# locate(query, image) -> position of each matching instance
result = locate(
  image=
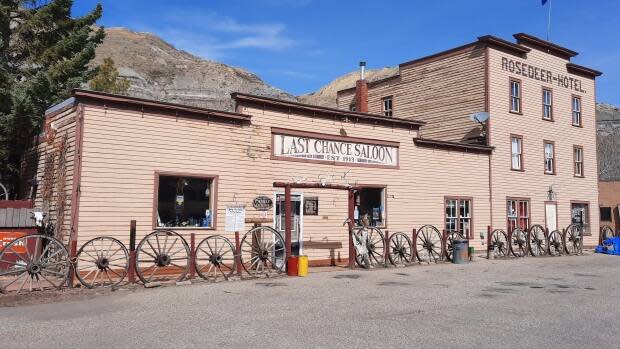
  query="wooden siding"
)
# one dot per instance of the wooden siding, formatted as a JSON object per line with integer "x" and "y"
{"x": 609, "y": 196}
{"x": 122, "y": 150}
{"x": 532, "y": 182}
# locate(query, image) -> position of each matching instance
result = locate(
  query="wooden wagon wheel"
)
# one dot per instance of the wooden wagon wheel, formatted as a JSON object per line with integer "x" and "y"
{"x": 375, "y": 243}
{"x": 33, "y": 262}
{"x": 263, "y": 251}
{"x": 607, "y": 233}
{"x": 554, "y": 241}
{"x": 450, "y": 243}
{"x": 162, "y": 255}
{"x": 215, "y": 258}
{"x": 428, "y": 244}
{"x": 573, "y": 239}
{"x": 518, "y": 243}
{"x": 499, "y": 243}
{"x": 399, "y": 249}
{"x": 102, "y": 262}
{"x": 537, "y": 241}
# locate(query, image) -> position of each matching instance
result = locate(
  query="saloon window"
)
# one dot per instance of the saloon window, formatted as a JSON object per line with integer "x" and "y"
{"x": 547, "y": 98}
{"x": 184, "y": 202}
{"x": 370, "y": 203}
{"x": 515, "y": 96}
{"x": 580, "y": 214}
{"x": 387, "y": 105}
{"x": 458, "y": 216}
{"x": 576, "y": 111}
{"x": 518, "y": 211}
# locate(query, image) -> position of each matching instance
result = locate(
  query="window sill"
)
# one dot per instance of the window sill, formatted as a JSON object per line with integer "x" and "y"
{"x": 579, "y": 176}
{"x": 580, "y": 126}
{"x": 515, "y": 112}
{"x": 550, "y": 173}
{"x": 549, "y": 120}
{"x": 517, "y": 169}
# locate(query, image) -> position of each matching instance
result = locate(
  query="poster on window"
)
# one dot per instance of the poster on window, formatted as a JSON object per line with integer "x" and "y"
{"x": 235, "y": 218}
{"x": 311, "y": 206}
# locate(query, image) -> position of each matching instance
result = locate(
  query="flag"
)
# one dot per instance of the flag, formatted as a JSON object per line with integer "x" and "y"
{"x": 543, "y": 2}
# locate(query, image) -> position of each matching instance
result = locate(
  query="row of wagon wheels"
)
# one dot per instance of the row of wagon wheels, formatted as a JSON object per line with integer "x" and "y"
{"x": 537, "y": 241}
{"x": 38, "y": 262}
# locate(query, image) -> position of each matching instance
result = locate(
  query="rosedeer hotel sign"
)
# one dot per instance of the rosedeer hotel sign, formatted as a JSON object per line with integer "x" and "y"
{"x": 302, "y": 146}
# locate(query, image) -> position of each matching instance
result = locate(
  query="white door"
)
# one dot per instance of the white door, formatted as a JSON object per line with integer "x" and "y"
{"x": 551, "y": 212}
{"x": 297, "y": 215}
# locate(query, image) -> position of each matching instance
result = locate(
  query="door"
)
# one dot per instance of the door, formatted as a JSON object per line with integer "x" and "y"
{"x": 551, "y": 215}
{"x": 296, "y": 221}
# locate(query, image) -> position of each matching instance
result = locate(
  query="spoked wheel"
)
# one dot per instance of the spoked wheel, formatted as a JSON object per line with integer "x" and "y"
{"x": 573, "y": 239}
{"x": 102, "y": 262}
{"x": 450, "y": 243}
{"x": 262, "y": 252}
{"x": 375, "y": 243}
{"x": 33, "y": 262}
{"x": 499, "y": 243}
{"x": 215, "y": 258}
{"x": 518, "y": 243}
{"x": 162, "y": 255}
{"x": 607, "y": 233}
{"x": 556, "y": 247}
{"x": 399, "y": 249}
{"x": 537, "y": 241}
{"x": 428, "y": 244}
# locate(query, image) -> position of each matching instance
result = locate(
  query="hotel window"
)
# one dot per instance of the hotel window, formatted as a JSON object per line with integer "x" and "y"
{"x": 549, "y": 158}
{"x": 605, "y": 213}
{"x": 580, "y": 214}
{"x": 387, "y": 105}
{"x": 578, "y": 159}
{"x": 352, "y": 107}
{"x": 184, "y": 202}
{"x": 518, "y": 213}
{"x": 370, "y": 202}
{"x": 547, "y": 98}
{"x": 515, "y": 96}
{"x": 576, "y": 111}
{"x": 516, "y": 145}
{"x": 458, "y": 215}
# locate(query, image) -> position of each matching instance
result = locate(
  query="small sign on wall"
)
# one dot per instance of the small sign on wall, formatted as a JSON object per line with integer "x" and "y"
{"x": 311, "y": 206}
{"x": 235, "y": 218}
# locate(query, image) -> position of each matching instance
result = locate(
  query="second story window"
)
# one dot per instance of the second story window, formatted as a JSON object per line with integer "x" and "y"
{"x": 515, "y": 96}
{"x": 387, "y": 105}
{"x": 576, "y": 111}
{"x": 547, "y": 98}
{"x": 578, "y": 160}
{"x": 549, "y": 157}
{"x": 352, "y": 107}
{"x": 516, "y": 145}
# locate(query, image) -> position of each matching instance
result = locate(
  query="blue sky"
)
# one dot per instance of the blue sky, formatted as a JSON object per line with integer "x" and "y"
{"x": 300, "y": 45}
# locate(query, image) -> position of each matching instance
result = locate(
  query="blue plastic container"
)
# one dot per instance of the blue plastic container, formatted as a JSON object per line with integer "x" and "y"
{"x": 609, "y": 246}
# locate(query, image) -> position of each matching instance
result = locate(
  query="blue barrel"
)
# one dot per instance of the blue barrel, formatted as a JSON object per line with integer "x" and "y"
{"x": 460, "y": 251}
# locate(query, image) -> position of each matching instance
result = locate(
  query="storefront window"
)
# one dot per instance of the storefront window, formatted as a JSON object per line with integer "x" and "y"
{"x": 458, "y": 216}
{"x": 370, "y": 202}
{"x": 184, "y": 202}
{"x": 518, "y": 214}
{"x": 580, "y": 214}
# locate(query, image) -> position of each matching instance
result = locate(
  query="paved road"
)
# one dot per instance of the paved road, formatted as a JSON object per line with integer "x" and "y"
{"x": 544, "y": 302}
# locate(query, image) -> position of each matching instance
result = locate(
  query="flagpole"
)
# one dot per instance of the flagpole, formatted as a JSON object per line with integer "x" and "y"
{"x": 549, "y": 21}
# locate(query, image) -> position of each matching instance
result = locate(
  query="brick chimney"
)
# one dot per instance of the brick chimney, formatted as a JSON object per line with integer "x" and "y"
{"x": 361, "y": 91}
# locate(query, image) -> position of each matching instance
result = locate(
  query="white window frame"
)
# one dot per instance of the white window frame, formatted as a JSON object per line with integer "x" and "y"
{"x": 516, "y": 151}
{"x": 547, "y": 104}
{"x": 387, "y": 106}
{"x": 578, "y": 161}
{"x": 549, "y": 158}
{"x": 515, "y": 96}
{"x": 576, "y": 109}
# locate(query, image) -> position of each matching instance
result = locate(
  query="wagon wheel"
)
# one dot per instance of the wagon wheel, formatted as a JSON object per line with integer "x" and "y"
{"x": 399, "y": 249}
{"x": 375, "y": 243}
{"x": 450, "y": 243}
{"x": 102, "y": 262}
{"x": 499, "y": 243}
{"x": 262, "y": 251}
{"x": 428, "y": 244}
{"x": 554, "y": 241}
{"x": 607, "y": 233}
{"x": 215, "y": 258}
{"x": 33, "y": 262}
{"x": 162, "y": 255}
{"x": 537, "y": 241}
{"x": 518, "y": 243}
{"x": 573, "y": 239}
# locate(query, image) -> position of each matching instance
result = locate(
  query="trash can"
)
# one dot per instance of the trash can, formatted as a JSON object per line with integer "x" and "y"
{"x": 292, "y": 265}
{"x": 460, "y": 250}
{"x": 302, "y": 268}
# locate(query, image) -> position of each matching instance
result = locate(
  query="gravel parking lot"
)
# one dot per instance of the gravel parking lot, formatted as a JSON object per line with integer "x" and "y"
{"x": 531, "y": 302}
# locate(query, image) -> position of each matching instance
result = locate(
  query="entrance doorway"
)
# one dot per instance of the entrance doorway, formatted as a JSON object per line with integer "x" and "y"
{"x": 551, "y": 215}
{"x": 297, "y": 224}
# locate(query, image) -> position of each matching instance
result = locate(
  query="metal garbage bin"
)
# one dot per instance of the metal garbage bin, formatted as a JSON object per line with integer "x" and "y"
{"x": 460, "y": 251}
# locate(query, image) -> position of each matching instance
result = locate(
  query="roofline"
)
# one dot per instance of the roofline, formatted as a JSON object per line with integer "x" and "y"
{"x": 371, "y": 83}
{"x": 438, "y": 54}
{"x": 505, "y": 44}
{"x": 453, "y": 145}
{"x": 81, "y": 94}
{"x": 373, "y": 118}
{"x": 547, "y": 45}
{"x": 581, "y": 70}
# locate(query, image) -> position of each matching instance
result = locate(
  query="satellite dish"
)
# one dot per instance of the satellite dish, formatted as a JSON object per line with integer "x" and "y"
{"x": 479, "y": 117}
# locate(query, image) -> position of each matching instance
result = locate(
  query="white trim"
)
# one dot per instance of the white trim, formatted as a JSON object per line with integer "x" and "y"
{"x": 301, "y": 215}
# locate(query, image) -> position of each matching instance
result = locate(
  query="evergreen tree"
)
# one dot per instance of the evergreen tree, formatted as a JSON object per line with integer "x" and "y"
{"x": 44, "y": 54}
{"x": 107, "y": 79}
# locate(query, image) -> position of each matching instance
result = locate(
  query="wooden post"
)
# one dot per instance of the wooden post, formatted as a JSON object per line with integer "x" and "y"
{"x": 192, "y": 255}
{"x": 414, "y": 254}
{"x": 489, "y": 232}
{"x": 352, "y": 219}
{"x": 386, "y": 248}
{"x": 131, "y": 273}
{"x": 238, "y": 253}
{"x": 72, "y": 257}
{"x": 287, "y": 224}
{"x": 444, "y": 244}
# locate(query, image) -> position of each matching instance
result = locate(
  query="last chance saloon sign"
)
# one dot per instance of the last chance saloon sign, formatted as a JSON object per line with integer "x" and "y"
{"x": 317, "y": 149}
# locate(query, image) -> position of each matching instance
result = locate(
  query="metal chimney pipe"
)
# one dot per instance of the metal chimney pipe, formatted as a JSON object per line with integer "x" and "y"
{"x": 362, "y": 68}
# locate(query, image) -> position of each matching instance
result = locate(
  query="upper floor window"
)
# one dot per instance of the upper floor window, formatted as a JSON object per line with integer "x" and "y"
{"x": 515, "y": 96}
{"x": 578, "y": 160}
{"x": 458, "y": 216}
{"x": 549, "y": 157}
{"x": 576, "y": 111}
{"x": 352, "y": 107}
{"x": 387, "y": 105}
{"x": 547, "y": 98}
{"x": 516, "y": 145}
